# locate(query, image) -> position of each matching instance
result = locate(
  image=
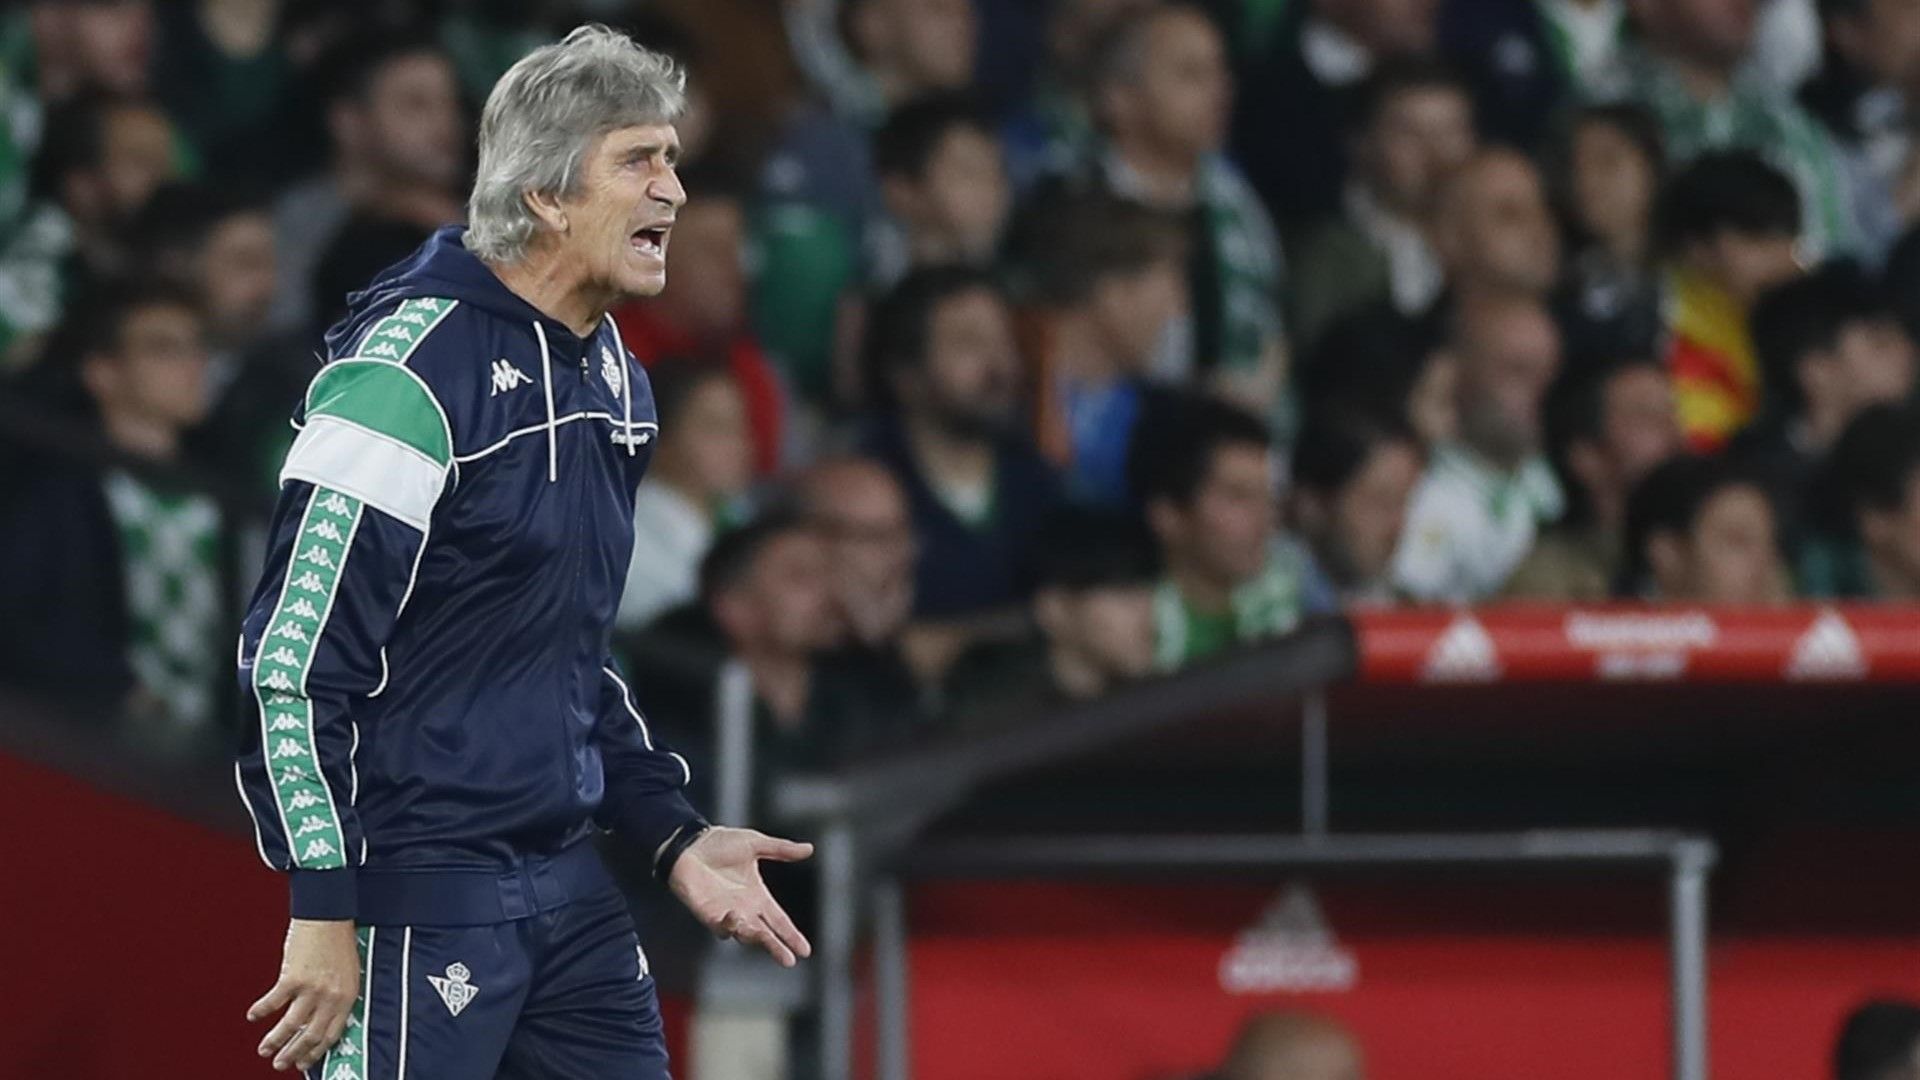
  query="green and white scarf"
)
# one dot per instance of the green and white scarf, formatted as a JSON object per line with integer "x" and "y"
{"x": 170, "y": 560}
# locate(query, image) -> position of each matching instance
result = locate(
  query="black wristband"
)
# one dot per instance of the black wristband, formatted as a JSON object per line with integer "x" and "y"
{"x": 677, "y": 845}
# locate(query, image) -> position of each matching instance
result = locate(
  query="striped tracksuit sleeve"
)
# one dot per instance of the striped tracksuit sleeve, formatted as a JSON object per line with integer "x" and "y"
{"x": 357, "y": 492}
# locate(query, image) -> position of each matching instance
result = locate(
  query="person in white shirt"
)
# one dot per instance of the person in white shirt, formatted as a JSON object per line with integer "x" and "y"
{"x": 700, "y": 472}
{"x": 1485, "y": 494}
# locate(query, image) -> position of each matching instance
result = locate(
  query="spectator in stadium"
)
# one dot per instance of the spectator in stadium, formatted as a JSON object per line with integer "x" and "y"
{"x": 1493, "y": 230}
{"x": 766, "y": 599}
{"x": 1209, "y": 484}
{"x": 1293, "y": 1046}
{"x": 1093, "y": 605}
{"x": 703, "y": 311}
{"x": 1871, "y": 546}
{"x": 398, "y": 157}
{"x": 101, "y": 160}
{"x": 1727, "y": 228}
{"x": 1686, "y": 65}
{"x": 946, "y": 200}
{"x": 1700, "y": 530}
{"x": 1605, "y": 175}
{"x": 1302, "y": 62}
{"x": 1353, "y": 476}
{"x": 1054, "y": 126}
{"x": 1829, "y": 347}
{"x": 862, "y": 512}
{"x": 1879, "y": 1040}
{"x": 1302, "y": 65}
{"x": 114, "y": 581}
{"x": 941, "y": 351}
{"x": 702, "y": 464}
{"x": 1608, "y": 425}
{"x": 1484, "y": 496}
{"x": 1163, "y": 91}
{"x": 1110, "y": 283}
{"x": 59, "y": 50}
{"x": 818, "y": 194}
{"x": 1860, "y": 95}
{"x": 104, "y": 46}
{"x": 1412, "y": 127}
{"x": 943, "y": 181}
{"x": 218, "y": 245}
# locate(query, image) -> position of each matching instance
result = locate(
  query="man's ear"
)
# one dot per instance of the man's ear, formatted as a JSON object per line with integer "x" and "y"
{"x": 1667, "y": 557}
{"x": 1587, "y": 464}
{"x": 346, "y": 125}
{"x": 732, "y": 615}
{"x": 547, "y": 208}
{"x": 99, "y": 375}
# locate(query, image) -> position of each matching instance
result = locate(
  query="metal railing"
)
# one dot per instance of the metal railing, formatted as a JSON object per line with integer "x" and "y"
{"x": 866, "y": 819}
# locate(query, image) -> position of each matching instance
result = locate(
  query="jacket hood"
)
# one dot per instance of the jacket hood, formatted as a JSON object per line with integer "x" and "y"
{"x": 441, "y": 267}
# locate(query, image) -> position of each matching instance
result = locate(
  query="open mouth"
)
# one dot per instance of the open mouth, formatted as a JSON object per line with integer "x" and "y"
{"x": 650, "y": 241}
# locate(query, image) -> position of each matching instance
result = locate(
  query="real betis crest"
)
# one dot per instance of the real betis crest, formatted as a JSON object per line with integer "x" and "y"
{"x": 610, "y": 369}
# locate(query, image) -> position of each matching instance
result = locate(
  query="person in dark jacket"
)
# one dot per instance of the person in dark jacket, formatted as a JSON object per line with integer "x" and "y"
{"x": 941, "y": 349}
{"x": 116, "y": 572}
{"x": 439, "y": 726}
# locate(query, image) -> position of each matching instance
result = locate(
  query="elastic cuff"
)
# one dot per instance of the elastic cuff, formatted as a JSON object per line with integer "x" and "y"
{"x": 677, "y": 845}
{"x": 323, "y": 894}
{"x": 649, "y": 821}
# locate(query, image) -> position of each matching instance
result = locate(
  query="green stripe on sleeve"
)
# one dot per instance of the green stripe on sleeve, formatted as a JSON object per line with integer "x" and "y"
{"x": 384, "y": 398}
{"x": 308, "y": 812}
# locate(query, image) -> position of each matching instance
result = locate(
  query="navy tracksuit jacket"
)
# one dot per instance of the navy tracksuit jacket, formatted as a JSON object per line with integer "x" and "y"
{"x": 438, "y": 726}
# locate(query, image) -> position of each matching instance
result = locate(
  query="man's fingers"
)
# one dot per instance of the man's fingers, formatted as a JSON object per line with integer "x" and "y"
{"x": 310, "y": 1043}
{"x": 298, "y": 1013}
{"x": 783, "y": 927}
{"x": 772, "y": 847}
{"x": 763, "y": 935}
{"x": 271, "y": 1002}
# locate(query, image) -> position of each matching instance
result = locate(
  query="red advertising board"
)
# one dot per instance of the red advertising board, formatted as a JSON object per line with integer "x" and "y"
{"x": 1029, "y": 982}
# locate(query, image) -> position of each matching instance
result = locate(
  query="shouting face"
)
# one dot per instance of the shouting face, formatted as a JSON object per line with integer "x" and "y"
{"x": 615, "y": 225}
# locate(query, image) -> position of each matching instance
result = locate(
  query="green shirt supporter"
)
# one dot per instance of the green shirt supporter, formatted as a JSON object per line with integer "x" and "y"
{"x": 1267, "y": 606}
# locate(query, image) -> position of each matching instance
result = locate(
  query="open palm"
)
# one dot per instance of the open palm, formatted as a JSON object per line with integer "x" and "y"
{"x": 718, "y": 879}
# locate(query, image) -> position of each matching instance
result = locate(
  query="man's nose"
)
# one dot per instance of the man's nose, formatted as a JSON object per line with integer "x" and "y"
{"x": 667, "y": 189}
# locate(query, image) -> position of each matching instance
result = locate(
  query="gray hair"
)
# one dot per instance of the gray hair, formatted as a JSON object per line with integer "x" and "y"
{"x": 544, "y": 115}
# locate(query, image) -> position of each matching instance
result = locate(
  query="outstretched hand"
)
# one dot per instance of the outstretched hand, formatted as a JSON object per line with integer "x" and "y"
{"x": 718, "y": 878}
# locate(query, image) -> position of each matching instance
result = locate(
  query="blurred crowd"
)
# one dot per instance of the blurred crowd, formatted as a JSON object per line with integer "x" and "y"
{"x": 1010, "y": 350}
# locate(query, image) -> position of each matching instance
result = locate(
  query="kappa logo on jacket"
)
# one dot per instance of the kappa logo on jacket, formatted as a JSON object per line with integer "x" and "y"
{"x": 507, "y": 377}
{"x": 454, "y": 989}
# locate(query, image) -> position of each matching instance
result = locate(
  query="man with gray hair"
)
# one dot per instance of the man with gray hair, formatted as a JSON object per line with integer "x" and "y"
{"x": 439, "y": 728}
